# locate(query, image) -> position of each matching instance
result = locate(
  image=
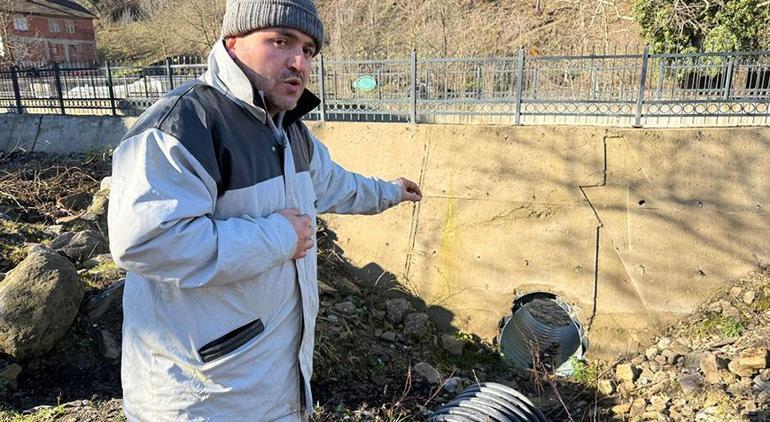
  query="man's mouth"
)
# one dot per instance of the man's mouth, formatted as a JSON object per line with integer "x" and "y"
{"x": 295, "y": 82}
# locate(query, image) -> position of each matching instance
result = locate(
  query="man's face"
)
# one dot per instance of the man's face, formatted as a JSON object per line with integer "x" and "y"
{"x": 277, "y": 61}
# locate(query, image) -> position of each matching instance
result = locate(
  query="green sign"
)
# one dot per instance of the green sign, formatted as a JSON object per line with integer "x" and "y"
{"x": 365, "y": 83}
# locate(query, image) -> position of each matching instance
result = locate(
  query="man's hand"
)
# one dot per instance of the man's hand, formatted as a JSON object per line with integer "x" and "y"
{"x": 303, "y": 226}
{"x": 409, "y": 190}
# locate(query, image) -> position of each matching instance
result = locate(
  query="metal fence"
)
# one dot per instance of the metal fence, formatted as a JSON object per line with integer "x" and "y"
{"x": 700, "y": 89}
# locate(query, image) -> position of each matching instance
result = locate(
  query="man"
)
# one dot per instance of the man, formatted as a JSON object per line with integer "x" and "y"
{"x": 215, "y": 192}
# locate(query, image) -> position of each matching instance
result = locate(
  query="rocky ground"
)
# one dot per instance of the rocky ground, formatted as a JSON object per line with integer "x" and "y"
{"x": 711, "y": 367}
{"x": 378, "y": 356}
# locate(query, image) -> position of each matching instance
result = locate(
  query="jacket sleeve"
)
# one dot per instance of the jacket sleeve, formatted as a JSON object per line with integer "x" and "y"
{"x": 161, "y": 226}
{"x": 344, "y": 192}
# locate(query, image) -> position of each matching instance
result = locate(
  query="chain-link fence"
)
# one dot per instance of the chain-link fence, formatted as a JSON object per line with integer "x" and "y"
{"x": 708, "y": 89}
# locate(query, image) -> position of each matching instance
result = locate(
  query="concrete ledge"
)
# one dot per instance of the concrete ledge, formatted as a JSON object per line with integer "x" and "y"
{"x": 61, "y": 134}
{"x": 18, "y": 133}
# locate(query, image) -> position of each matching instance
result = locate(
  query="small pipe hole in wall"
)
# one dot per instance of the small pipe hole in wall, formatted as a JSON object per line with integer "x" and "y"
{"x": 542, "y": 330}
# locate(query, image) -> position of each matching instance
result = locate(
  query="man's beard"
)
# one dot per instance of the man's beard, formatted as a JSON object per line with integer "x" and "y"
{"x": 275, "y": 103}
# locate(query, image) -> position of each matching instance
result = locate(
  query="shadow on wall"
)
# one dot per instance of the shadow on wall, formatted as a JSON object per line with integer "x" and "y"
{"x": 372, "y": 362}
{"x": 383, "y": 282}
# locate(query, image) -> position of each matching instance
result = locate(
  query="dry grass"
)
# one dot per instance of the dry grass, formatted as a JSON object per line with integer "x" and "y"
{"x": 31, "y": 184}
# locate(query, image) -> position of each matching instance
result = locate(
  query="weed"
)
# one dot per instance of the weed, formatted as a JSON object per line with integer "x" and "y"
{"x": 762, "y": 304}
{"x": 102, "y": 275}
{"x": 477, "y": 352}
{"x": 732, "y": 328}
{"x": 466, "y": 338}
{"x": 585, "y": 373}
{"x": 714, "y": 323}
{"x": 48, "y": 414}
{"x": 16, "y": 254}
{"x": 13, "y": 236}
{"x": 323, "y": 413}
{"x": 103, "y": 155}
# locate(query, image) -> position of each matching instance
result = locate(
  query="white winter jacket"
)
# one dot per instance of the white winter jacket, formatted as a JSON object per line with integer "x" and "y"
{"x": 218, "y": 320}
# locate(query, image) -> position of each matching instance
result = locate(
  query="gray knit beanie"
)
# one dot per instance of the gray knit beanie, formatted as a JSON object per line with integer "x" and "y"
{"x": 244, "y": 16}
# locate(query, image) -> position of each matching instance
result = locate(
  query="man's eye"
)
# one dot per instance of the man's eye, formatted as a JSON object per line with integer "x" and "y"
{"x": 310, "y": 52}
{"x": 281, "y": 42}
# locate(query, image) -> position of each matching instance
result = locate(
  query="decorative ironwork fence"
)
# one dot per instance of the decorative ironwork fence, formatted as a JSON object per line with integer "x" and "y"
{"x": 707, "y": 89}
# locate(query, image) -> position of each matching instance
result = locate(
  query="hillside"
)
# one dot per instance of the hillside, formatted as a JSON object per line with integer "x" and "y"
{"x": 128, "y": 29}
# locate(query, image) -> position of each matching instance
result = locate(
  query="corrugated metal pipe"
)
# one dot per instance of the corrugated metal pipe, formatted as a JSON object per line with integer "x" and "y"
{"x": 489, "y": 402}
{"x": 543, "y": 331}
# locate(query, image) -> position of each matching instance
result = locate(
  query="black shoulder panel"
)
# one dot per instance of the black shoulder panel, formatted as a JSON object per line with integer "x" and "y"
{"x": 301, "y": 146}
{"x": 234, "y": 147}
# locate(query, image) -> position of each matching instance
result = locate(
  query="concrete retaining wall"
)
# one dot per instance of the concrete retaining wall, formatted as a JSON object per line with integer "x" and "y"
{"x": 635, "y": 228}
{"x": 60, "y": 134}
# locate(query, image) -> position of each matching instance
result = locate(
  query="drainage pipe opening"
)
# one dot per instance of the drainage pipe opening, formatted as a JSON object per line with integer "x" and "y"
{"x": 542, "y": 330}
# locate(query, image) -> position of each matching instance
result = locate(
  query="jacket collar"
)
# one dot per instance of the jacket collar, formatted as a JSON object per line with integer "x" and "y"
{"x": 225, "y": 75}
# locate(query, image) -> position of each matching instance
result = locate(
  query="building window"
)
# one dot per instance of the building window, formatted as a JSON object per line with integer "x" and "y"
{"x": 53, "y": 26}
{"x": 20, "y": 23}
{"x": 70, "y": 27}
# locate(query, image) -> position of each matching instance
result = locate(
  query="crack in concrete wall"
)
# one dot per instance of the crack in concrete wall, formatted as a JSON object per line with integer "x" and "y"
{"x": 416, "y": 213}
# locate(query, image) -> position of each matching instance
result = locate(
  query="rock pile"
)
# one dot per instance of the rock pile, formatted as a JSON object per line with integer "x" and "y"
{"x": 41, "y": 297}
{"x": 713, "y": 367}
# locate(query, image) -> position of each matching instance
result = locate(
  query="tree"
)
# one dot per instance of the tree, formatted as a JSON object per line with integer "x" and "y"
{"x": 157, "y": 29}
{"x": 712, "y": 26}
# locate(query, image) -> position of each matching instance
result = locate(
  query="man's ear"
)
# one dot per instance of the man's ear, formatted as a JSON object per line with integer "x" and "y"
{"x": 230, "y": 46}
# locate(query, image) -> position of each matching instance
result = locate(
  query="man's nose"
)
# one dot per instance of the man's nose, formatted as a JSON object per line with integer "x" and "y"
{"x": 299, "y": 62}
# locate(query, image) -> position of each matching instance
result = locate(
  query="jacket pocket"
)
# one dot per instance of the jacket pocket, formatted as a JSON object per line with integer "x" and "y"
{"x": 230, "y": 341}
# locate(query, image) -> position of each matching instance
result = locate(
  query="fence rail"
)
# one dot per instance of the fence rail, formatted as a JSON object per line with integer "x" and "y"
{"x": 707, "y": 89}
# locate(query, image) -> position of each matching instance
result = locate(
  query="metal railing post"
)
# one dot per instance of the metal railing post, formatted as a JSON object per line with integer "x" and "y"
{"x": 519, "y": 86}
{"x": 321, "y": 87}
{"x": 111, "y": 90}
{"x": 16, "y": 90}
{"x": 594, "y": 79}
{"x": 57, "y": 82}
{"x": 661, "y": 78}
{"x": 413, "y": 105}
{"x": 169, "y": 74}
{"x": 479, "y": 82}
{"x": 642, "y": 83}
{"x": 729, "y": 77}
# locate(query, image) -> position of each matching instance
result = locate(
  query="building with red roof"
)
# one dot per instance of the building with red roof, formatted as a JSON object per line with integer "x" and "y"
{"x": 60, "y": 31}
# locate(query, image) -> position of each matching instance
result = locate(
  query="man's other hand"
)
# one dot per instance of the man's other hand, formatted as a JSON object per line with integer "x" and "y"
{"x": 409, "y": 190}
{"x": 303, "y": 226}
